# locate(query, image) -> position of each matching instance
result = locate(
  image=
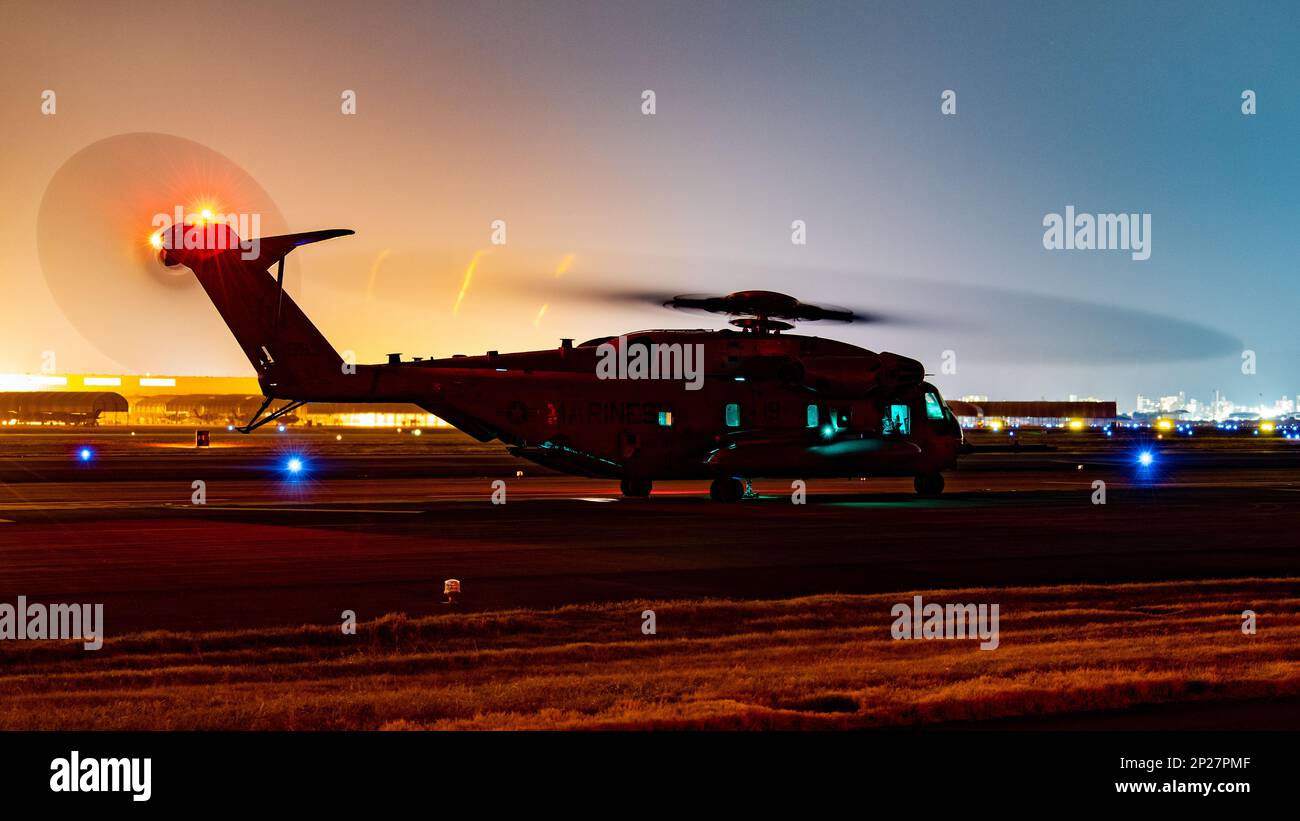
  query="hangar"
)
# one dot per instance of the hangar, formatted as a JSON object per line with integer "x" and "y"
{"x": 59, "y": 407}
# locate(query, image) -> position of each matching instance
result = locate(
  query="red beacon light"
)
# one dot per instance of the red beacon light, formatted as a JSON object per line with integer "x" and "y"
{"x": 193, "y": 241}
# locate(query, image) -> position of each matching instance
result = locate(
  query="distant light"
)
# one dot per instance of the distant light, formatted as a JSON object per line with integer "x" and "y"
{"x": 416, "y": 432}
{"x": 827, "y": 431}
{"x": 230, "y": 427}
{"x": 1145, "y": 458}
{"x": 295, "y": 465}
{"x": 85, "y": 454}
{"x": 338, "y": 437}
{"x": 280, "y": 428}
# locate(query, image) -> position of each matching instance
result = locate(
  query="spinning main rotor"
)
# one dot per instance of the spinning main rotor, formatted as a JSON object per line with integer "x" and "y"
{"x": 763, "y": 312}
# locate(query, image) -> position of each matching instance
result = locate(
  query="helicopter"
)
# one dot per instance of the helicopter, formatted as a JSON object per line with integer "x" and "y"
{"x": 730, "y": 405}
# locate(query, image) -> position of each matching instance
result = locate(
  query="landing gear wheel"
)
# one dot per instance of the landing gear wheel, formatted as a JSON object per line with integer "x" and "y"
{"x": 727, "y": 490}
{"x": 635, "y": 488}
{"x": 929, "y": 484}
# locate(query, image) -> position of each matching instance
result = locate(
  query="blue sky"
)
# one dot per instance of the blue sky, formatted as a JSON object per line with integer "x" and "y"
{"x": 766, "y": 113}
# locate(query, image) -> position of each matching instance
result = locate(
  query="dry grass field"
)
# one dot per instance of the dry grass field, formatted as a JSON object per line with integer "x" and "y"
{"x": 822, "y": 662}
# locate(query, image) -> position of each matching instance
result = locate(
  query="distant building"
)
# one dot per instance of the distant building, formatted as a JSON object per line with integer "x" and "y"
{"x": 1033, "y": 414}
{"x": 61, "y": 407}
{"x": 177, "y": 400}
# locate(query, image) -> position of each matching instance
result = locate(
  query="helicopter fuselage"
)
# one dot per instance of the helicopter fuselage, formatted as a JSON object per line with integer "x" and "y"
{"x": 770, "y": 405}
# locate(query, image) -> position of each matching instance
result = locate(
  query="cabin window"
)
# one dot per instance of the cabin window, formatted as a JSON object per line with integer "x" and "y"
{"x": 812, "y": 416}
{"x": 933, "y": 410}
{"x": 666, "y": 419}
{"x": 733, "y": 415}
{"x": 899, "y": 421}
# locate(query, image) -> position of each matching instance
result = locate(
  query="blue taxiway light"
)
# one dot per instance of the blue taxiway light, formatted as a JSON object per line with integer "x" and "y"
{"x": 85, "y": 454}
{"x": 294, "y": 465}
{"x": 1145, "y": 458}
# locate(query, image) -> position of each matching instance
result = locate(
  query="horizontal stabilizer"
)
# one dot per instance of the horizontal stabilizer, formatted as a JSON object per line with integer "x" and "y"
{"x": 273, "y": 249}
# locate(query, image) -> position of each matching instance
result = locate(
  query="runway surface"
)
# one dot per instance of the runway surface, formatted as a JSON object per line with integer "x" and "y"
{"x": 376, "y": 521}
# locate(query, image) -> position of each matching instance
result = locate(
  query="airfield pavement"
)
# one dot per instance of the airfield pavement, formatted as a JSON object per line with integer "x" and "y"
{"x": 376, "y": 521}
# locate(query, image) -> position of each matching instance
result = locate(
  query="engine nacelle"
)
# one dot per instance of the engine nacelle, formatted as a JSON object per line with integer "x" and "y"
{"x": 834, "y": 375}
{"x": 853, "y": 376}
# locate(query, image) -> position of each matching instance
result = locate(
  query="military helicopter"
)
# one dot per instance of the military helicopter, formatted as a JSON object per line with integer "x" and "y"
{"x": 727, "y": 405}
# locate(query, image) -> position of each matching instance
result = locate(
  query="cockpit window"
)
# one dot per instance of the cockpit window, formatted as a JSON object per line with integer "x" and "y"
{"x": 933, "y": 408}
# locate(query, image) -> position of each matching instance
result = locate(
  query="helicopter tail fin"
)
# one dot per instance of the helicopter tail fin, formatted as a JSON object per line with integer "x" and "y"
{"x": 244, "y": 280}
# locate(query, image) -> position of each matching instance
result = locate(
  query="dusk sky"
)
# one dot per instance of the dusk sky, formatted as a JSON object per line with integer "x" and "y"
{"x": 765, "y": 113}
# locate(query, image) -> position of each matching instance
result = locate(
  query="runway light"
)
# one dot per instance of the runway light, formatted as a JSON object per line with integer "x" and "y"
{"x": 1145, "y": 458}
{"x": 85, "y": 454}
{"x": 294, "y": 465}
